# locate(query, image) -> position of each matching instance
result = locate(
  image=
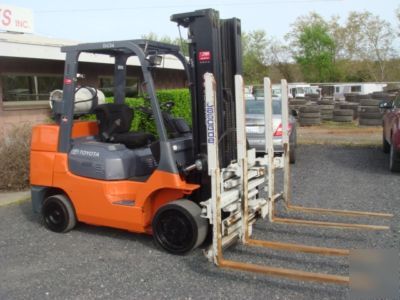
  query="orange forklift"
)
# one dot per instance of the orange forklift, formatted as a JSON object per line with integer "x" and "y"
{"x": 181, "y": 184}
{"x": 101, "y": 173}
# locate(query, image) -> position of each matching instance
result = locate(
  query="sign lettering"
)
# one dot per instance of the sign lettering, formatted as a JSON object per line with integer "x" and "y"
{"x": 16, "y": 19}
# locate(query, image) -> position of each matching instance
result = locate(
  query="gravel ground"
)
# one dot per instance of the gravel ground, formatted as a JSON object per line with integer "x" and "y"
{"x": 91, "y": 262}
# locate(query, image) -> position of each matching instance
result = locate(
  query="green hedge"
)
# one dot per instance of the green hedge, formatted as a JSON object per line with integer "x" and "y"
{"x": 182, "y": 108}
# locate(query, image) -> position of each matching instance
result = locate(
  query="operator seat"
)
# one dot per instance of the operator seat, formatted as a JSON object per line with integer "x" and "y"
{"x": 114, "y": 122}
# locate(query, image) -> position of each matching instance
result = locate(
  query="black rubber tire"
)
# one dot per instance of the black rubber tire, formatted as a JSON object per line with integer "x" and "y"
{"x": 343, "y": 112}
{"x": 308, "y": 115}
{"x": 369, "y": 102}
{"x": 371, "y": 115}
{"x": 178, "y": 227}
{"x": 292, "y": 155}
{"x": 385, "y": 144}
{"x": 309, "y": 109}
{"x": 394, "y": 162}
{"x": 297, "y": 102}
{"x": 349, "y": 105}
{"x": 369, "y": 109}
{"x": 342, "y": 118}
{"x": 326, "y": 117}
{"x": 327, "y": 107}
{"x": 380, "y": 95}
{"x": 370, "y": 122}
{"x": 58, "y": 213}
{"x": 326, "y": 102}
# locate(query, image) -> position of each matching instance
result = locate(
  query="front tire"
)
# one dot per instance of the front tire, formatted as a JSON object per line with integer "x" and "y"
{"x": 178, "y": 227}
{"x": 58, "y": 214}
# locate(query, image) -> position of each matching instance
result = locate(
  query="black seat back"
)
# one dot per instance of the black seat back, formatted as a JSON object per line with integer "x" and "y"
{"x": 113, "y": 119}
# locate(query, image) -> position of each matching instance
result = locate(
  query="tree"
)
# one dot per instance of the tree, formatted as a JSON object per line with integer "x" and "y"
{"x": 254, "y": 46}
{"x": 166, "y": 39}
{"x": 315, "y": 55}
{"x": 331, "y": 28}
{"x": 280, "y": 56}
{"x": 398, "y": 19}
{"x": 370, "y": 39}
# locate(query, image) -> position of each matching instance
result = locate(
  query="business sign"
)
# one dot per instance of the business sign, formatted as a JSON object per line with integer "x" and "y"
{"x": 16, "y": 19}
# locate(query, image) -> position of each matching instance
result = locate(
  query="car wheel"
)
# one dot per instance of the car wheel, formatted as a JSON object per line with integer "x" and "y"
{"x": 178, "y": 227}
{"x": 58, "y": 213}
{"x": 385, "y": 144}
{"x": 394, "y": 162}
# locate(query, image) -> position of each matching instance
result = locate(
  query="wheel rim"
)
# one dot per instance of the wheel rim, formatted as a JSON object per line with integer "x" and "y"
{"x": 55, "y": 216}
{"x": 174, "y": 231}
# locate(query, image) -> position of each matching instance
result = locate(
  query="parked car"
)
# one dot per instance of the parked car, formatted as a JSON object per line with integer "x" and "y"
{"x": 391, "y": 132}
{"x": 255, "y": 127}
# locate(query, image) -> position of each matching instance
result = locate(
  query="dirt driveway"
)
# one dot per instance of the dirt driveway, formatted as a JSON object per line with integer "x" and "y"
{"x": 340, "y": 134}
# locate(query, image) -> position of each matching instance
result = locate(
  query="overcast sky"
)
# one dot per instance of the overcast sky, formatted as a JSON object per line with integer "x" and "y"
{"x": 102, "y": 20}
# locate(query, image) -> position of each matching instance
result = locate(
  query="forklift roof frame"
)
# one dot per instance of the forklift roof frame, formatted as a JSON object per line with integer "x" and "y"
{"x": 121, "y": 50}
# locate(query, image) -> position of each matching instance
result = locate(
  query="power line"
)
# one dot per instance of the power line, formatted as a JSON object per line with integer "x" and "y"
{"x": 258, "y": 3}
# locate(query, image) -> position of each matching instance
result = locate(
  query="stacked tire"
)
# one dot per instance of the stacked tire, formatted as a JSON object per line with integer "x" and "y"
{"x": 343, "y": 115}
{"x": 296, "y": 104}
{"x": 351, "y": 105}
{"x": 350, "y": 97}
{"x": 326, "y": 106}
{"x": 370, "y": 114}
{"x": 312, "y": 97}
{"x": 309, "y": 115}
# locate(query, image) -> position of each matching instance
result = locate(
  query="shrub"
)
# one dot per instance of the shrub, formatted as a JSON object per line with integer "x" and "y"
{"x": 182, "y": 108}
{"x": 14, "y": 158}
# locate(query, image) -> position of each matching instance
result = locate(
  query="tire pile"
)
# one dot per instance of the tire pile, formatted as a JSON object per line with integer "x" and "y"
{"x": 312, "y": 97}
{"x": 351, "y": 97}
{"x": 365, "y": 108}
{"x": 343, "y": 115}
{"x": 309, "y": 115}
{"x": 352, "y": 106}
{"x": 296, "y": 104}
{"x": 370, "y": 114}
{"x": 326, "y": 105}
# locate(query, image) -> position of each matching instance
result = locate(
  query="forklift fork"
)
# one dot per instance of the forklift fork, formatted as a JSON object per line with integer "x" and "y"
{"x": 286, "y": 196}
{"x": 248, "y": 173}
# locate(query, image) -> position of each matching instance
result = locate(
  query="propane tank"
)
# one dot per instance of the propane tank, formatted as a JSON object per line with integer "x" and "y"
{"x": 86, "y": 99}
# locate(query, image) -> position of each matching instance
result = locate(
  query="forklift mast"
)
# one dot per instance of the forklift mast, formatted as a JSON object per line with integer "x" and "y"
{"x": 214, "y": 47}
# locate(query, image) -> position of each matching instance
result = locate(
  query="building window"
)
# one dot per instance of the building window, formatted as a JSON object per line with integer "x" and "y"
{"x": 337, "y": 89}
{"x": 106, "y": 85}
{"x": 355, "y": 88}
{"x": 29, "y": 87}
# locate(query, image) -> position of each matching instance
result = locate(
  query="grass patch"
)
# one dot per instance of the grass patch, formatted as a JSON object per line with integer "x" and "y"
{"x": 332, "y": 124}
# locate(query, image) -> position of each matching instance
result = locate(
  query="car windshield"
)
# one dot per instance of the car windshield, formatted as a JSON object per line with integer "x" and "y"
{"x": 256, "y": 107}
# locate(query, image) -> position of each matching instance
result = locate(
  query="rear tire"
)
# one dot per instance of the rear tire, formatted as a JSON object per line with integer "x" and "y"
{"x": 178, "y": 227}
{"x": 292, "y": 155}
{"x": 394, "y": 162}
{"x": 385, "y": 145}
{"x": 58, "y": 214}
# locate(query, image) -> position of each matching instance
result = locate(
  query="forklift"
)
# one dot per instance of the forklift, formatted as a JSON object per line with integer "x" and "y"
{"x": 101, "y": 173}
{"x": 181, "y": 184}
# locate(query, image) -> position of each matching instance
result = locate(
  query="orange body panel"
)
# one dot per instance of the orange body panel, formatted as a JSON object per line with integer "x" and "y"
{"x": 95, "y": 200}
{"x": 45, "y": 136}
